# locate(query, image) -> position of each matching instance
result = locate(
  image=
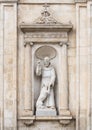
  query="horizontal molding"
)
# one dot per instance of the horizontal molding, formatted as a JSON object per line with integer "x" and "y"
{"x": 47, "y": 1}
{"x": 8, "y": 1}
{"x": 80, "y": 1}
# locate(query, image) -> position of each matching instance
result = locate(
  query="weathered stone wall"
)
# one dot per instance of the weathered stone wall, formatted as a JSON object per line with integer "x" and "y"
{"x": 12, "y": 61}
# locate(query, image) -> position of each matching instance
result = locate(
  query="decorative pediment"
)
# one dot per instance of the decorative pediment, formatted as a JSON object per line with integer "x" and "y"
{"x": 46, "y": 17}
{"x": 46, "y": 23}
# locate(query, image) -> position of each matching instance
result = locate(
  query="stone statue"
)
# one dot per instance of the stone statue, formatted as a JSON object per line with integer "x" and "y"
{"x": 47, "y": 73}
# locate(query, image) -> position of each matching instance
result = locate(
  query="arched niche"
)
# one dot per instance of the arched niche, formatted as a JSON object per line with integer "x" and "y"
{"x": 54, "y": 61}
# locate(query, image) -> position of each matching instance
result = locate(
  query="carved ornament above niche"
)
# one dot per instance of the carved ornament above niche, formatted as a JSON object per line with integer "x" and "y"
{"x": 46, "y": 17}
{"x": 46, "y": 23}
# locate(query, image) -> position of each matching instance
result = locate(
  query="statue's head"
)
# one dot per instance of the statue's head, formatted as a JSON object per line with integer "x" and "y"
{"x": 46, "y": 61}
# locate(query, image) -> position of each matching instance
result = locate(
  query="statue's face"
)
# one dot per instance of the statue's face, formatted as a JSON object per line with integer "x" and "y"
{"x": 46, "y": 61}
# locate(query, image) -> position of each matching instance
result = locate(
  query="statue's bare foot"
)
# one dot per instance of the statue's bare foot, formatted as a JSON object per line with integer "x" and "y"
{"x": 51, "y": 107}
{"x": 42, "y": 107}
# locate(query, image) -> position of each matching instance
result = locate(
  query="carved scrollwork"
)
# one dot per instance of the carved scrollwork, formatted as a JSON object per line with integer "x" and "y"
{"x": 63, "y": 43}
{"x": 65, "y": 122}
{"x": 28, "y": 122}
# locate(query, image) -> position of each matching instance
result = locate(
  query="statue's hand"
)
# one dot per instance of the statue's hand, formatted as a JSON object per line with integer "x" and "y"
{"x": 39, "y": 62}
{"x": 38, "y": 68}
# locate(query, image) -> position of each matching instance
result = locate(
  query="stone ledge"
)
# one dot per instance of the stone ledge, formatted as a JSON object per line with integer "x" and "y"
{"x": 46, "y": 118}
{"x": 26, "y": 118}
{"x": 53, "y": 118}
{"x": 80, "y": 1}
{"x": 48, "y": 28}
{"x": 46, "y": 1}
{"x": 63, "y": 120}
{"x": 8, "y": 1}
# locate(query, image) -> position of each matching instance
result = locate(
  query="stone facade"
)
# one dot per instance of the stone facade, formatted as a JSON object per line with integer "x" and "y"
{"x": 68, "y": 31}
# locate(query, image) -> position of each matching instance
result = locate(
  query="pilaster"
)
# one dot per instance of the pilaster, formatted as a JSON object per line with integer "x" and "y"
{"x": 8, "y": 41}
{"x": 64, "y": 90}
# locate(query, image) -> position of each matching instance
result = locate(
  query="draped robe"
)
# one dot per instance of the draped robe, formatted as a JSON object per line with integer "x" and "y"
{"x": 46, "y": 97}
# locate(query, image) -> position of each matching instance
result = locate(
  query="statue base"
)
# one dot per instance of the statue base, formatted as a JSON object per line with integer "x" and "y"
{"x": 46, "y": 112}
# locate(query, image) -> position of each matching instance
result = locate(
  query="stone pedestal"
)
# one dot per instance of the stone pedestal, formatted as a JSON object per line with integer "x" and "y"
{"x": 46, "y": 112}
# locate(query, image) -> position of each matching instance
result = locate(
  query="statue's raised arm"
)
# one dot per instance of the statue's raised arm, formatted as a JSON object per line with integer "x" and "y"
{"x": 38, "y": 68}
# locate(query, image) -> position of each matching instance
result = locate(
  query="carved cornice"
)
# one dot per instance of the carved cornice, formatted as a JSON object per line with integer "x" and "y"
{"x": 47, "y": 28}
{"x": 8, "y": 1}
{"x": 46, "y": 23}
{"x": 80, "y": 1}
